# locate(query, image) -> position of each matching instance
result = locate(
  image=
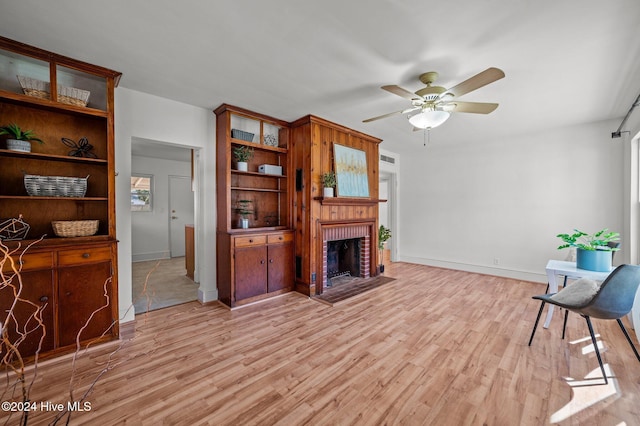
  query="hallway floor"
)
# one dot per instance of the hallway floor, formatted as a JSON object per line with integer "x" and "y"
{"x": 168, "y": 284}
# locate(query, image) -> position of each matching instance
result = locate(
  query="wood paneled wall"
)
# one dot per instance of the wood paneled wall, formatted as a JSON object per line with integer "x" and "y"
{"x": 312, "y": 152}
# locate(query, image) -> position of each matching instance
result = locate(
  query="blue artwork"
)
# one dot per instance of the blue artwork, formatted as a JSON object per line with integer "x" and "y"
{"x": 351, "y": 171}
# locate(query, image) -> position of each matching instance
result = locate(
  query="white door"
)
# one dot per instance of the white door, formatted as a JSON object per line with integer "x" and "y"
{"x": 180, "y": 212}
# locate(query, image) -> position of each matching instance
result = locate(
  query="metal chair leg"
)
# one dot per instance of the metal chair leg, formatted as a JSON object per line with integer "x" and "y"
{"x": 624, "y": 330}
{"x": 564, "y": 324}
{"x": 535, "y": 326}
{"x": 595, "y": 346}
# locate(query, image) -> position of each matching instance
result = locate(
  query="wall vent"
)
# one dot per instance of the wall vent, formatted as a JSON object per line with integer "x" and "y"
{"x": 387, "y": 159}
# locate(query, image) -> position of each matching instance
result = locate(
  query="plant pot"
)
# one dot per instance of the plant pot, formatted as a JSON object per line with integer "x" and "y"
{"x": 244, "y": 223}
{"x": 243, "y": 166}
{"x": 594, "y": 260}
{"x": 16, "y": 145}
{"x": 327, "y": 192}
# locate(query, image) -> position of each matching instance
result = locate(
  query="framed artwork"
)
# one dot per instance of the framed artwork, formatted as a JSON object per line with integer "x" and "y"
{"x": 350, "y": 165}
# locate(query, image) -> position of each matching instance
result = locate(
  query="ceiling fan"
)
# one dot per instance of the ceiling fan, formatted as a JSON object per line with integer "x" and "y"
{"x": 435, "y": 103}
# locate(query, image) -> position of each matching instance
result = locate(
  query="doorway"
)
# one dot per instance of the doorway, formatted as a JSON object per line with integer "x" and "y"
{"x": 159, "y": 270}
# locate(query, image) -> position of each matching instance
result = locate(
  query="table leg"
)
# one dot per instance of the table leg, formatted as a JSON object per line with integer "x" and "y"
{"x": 553, "y": 288}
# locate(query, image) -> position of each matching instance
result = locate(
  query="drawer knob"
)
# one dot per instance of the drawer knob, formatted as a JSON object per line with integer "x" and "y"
{"x": 270, "y": 260}
{"x": 44, "y": 299}
{"x": 262, "y": 262}
{"x": 250, "y": 241}
{"x": 280, "y": 238}
{"x": 86, "y": 255}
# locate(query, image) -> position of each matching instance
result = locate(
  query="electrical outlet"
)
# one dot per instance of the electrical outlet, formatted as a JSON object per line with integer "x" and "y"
{"x": 496, "y": 261}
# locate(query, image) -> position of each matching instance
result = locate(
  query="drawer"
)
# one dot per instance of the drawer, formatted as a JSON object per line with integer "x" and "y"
{"x": 253, "y": 240}
{"x": 280, "y": 238}
{"x": 86, "y": 255}
{"x": 32, "y": 261}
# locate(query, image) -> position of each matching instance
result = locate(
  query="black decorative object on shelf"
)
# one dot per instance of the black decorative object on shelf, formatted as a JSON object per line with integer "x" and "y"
{"x": 81, "y": 149}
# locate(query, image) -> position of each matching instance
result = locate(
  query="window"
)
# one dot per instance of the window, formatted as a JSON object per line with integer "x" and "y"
{"x": 141, "y": 193}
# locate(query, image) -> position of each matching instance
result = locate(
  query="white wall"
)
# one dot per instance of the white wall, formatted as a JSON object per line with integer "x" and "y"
{"x": 150, "y": 230}
{"x": 150, "y": 117}
{"x": 496, "y": 206}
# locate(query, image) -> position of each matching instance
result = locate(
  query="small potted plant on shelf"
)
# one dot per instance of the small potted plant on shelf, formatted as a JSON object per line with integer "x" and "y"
{"x": 593, "y": 251}
{"x": 244, "y": 210}
{"x": 328, "y": 183}
{"x": 19, "y": 140}
{"x": 242, "y": 155}
{"x": 383, "y": 235}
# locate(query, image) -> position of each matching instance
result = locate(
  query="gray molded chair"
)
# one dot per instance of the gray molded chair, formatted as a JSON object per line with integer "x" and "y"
{"x": 612, "y": 244}
{"x": 613, "y": 299}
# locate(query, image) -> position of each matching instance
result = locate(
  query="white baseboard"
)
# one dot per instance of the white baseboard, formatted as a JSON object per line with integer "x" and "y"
{"x": 207, "y": 296}
{"x": 141, "y": 257}
{"x": 540, "y": 277}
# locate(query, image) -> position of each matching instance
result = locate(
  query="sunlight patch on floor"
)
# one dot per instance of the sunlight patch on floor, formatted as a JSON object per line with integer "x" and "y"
{"x": 587, "y": 392}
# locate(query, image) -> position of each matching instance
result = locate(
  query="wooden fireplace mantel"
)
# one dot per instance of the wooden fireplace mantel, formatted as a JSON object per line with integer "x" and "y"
{"x": 340, "y": 201}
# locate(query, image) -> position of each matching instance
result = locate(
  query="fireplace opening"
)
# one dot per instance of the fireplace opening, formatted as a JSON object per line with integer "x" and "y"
{"x": 343, "y": 258}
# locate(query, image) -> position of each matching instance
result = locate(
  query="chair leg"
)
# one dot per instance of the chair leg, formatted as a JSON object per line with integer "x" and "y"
{"x": 595, "y": 346}
{"x": 535, "y": 326}
{"x": 564, "y": 324}
{"x": 624, "y": 330}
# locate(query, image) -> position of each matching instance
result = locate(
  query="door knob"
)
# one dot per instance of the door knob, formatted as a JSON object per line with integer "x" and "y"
{"x": 174, "y": 217}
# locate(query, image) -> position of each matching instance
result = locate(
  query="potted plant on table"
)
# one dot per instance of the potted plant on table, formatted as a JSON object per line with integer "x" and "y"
{"x": 383, "y": 235}
{"x": 593, "y": 251}
{"x": 19, "y": 140}
{"x": 244, "y": 210}
{"x": 242, "y": 155}
{"x": 328, "y": 183}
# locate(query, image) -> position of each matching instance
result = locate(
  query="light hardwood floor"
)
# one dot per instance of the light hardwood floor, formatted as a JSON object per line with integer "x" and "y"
{"x": 433, "y": 347}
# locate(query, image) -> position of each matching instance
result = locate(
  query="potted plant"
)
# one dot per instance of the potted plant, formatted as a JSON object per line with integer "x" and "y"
{"x": 328, "y": 183}
{"x": 242, "y": 155}
{"x": 593, "y": 251}
{"x": 19, "y": 140}
{"x": 383, "y": 235}
{"x": 244, "y": 210}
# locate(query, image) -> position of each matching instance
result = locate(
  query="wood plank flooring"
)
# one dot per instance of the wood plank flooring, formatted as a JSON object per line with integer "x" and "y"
{"x": 433, "y": 347}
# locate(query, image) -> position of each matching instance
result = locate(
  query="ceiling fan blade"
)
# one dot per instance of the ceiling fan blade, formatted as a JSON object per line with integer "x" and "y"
{"x": 477, "y": 81}
{"x": 404, "y": 93}
{"x": 368, "y": 120}
{"x": 474, "y": 107}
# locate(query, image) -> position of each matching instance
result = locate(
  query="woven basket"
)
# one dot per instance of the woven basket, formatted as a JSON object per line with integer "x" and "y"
{"x": 55, "y": 186}
{"x": 75, "y": 228}
{"x": 41, "y": 89}
{"x": 242, "y": 135}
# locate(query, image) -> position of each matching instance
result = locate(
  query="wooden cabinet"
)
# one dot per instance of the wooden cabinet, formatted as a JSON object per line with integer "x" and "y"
{"x": 78, "y": 135}
{"x": 68, "y": 284}
{"x": 35, "y": 303}
{"x": 254, "y": 262}
{"x": 260, "y": 265}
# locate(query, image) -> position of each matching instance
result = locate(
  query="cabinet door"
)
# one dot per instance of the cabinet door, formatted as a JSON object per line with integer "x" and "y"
{"x": 81, "y": 292}
{"x": 250, "y": 271}
{"x": 37, "y": 288}
{"x": 280, "y": 267}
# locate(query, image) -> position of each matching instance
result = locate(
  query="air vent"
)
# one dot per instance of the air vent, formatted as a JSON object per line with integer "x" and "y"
{"x": 387, "y": 159}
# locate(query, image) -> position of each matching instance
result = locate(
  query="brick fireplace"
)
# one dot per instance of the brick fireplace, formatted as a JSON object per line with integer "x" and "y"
{"x": 358, "y": 234}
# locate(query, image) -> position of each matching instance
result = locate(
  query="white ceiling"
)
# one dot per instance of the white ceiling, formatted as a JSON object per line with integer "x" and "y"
{"x": 566, "y": 62}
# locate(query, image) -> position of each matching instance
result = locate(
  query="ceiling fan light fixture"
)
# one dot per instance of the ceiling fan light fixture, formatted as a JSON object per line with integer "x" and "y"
{"x": 428, "y": 119}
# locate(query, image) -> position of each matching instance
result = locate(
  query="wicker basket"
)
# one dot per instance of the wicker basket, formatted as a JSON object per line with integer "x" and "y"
{"x": 75, "y": 228}
{"x": 41, "y": 89}
{"x": 55, "y": 186}
{"x": 242, "y": 135}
